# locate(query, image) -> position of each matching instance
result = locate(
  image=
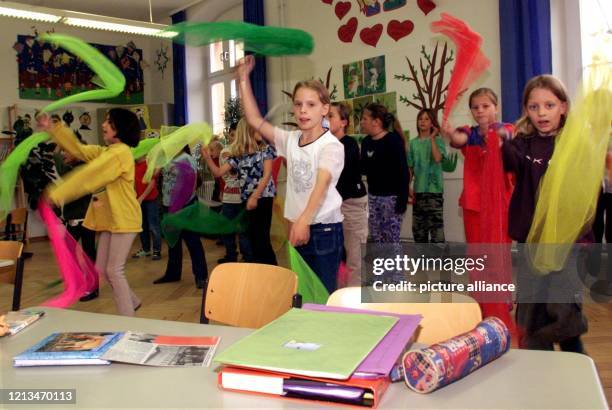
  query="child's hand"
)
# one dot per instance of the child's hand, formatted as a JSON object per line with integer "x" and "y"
{"x": 447, "y": 130}
{"x": 411, "y": 196}
{"x": 251, "y": 203}
{"x": 244, "y": 68}
{"x": 435, "y": 133}
{"x": 43, "y": 121}
{"x": 300, "y": 233}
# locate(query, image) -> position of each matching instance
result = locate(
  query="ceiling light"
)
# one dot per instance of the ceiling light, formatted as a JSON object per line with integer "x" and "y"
{"x": 85, "y": 20}
{"x": 25, "y": 12}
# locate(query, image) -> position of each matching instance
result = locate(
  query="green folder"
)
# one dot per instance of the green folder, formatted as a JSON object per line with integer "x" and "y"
{"x": 310, "y": 343}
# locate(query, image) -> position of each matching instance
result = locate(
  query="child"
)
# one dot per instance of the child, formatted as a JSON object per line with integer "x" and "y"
{"x": 475, "y": 144}
{"x": 252, "y": 159}
{"x": 113, "y": 210}
{"x": 425, "y": 154}
{"x": 175, "y": 173}
{"x": 485, "y": 199}
{"x": 314, "y": 162}
{"x": 383, "y": 161}
{"x": 215, "y": 148}
{"x": 545, "y": 107}
{"x": 351, "y": 188}
{"x": 232, "y": 205}
{"x": 147, "y": 197}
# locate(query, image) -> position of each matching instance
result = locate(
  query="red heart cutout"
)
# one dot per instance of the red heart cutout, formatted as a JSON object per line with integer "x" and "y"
{"x": 342, "y": 7}
{"x": 347, "y": 31}
{"x": 397, "y": 30}
{"x": 426, "y": 5}
{"x": 371, "y": 35}
{"x": 327, "y": 1}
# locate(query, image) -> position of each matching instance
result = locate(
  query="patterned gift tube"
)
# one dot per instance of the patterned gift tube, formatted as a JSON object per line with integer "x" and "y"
{"x": 440, "y": 364}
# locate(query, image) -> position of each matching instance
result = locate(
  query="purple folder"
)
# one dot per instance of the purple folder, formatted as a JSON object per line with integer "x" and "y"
{"x": 385, "y": 355}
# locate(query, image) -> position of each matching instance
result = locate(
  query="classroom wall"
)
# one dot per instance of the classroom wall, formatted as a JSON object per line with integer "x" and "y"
{"x": 320, "y": 20}
{"x": 157, "y": 89}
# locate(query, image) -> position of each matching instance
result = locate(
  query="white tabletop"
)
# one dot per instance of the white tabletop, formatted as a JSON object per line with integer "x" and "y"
{"x": 520, "y": 379}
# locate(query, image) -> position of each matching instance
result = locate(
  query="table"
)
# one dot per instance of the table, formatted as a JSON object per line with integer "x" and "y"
{"x": 519, "y": 379}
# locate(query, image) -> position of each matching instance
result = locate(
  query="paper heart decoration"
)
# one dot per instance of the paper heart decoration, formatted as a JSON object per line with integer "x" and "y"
{"x": 327, "y": 1}
{"x": 426, "y": 5}
{"x": 397, "y": 29}
{"x": 342, "y": 7}
{"x": 347, "y": 31}
{"x": 371, "y": 35}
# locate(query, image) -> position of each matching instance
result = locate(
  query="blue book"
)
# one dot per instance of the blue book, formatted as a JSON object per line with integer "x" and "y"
{"x": 67, "y": 349}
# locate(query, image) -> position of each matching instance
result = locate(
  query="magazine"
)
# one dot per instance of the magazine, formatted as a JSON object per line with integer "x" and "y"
{"x": 97, "y": 348}
{"x": 17, "y": 321}
{"x": 154, "y": 350}
{"x": 66, "y": 349}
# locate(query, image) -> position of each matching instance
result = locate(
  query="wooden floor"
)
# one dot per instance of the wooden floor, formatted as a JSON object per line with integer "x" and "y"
{"x": 181, "y": 301}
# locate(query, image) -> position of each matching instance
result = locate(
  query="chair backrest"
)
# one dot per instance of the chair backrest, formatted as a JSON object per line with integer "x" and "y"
{"x": 16, "y": 225}
{"x": 441, "y": 321}
{"x": 10, "y": 250}
{"x": 248, "y": 294}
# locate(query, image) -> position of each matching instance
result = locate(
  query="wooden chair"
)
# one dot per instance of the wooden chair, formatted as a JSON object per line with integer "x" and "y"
{"x": 11, "y": 251}
{"x": 248, "y": 294}
{"x": 16, "y": 225}
{"x": 441, "y": 321}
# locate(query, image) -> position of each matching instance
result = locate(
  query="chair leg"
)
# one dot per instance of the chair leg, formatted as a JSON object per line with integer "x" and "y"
{"x": 203, "y": 318}
{"x": 18, "y": 284}
{"x": 296, "y": 301}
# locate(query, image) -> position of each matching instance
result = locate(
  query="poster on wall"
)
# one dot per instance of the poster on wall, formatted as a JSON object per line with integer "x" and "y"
{"x": 142, "y": 112}
{"x": 352, "y": 75}
{"x": 388, "y": 100}
{"x": 350, "y": 127}
{"x": 374, "y": 75}
{"x": 48, "y": 72}
{"x": 358, "y": 106}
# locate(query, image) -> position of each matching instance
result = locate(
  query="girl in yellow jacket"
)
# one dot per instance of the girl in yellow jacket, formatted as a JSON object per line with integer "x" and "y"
{"x": 114, "y": 210}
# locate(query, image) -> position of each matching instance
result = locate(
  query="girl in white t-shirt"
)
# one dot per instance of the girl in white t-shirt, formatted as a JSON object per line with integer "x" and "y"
{"x": 315, "y": 159}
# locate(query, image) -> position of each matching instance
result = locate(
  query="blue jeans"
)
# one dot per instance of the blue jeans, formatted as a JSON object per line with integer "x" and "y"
{"x": 323, "y": 252}
{"x": 231, "y": 211}
{"x": 150, "y": 226}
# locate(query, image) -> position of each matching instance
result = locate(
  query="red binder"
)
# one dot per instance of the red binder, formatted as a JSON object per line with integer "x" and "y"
{"x": 351, "y": 392}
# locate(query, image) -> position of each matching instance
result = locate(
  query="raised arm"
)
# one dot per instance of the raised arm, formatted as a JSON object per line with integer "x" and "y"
{"x": 249, "y": 104}
{"x": 458, "y": 137}
{"x": 214, "y": 169}
{"x": 435, "y": 150}
{"x": 66, "y": 139}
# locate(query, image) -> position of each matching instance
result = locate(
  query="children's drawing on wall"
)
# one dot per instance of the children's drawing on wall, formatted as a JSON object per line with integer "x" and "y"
{"x": 353, "y": 79}
{"x": 374, "y": 75}
{"x": 388, "y": 100}
{"x": 151, "y": 133}
{"x": 358, "y": 106}
{"x": 142, "y": 112}
{"x": 350, "y": 128}
{"x": 48, "y": 72}
{"x": 369, "y": 7}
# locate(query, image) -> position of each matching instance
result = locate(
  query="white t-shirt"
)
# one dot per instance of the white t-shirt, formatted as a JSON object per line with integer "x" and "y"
{"x": 303, "y": 164}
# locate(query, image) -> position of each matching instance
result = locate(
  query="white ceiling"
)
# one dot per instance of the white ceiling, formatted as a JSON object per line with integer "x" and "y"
{"x": 128, "y": 9}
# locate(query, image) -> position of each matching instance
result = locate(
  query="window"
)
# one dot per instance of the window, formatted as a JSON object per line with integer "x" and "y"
{"x": 223, "y": 57}
{"x": 595, "y": 25}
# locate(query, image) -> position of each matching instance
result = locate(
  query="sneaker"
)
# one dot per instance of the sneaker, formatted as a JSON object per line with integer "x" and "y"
{"x": 156, "y": 256}
{"x": 141, "y": 254}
